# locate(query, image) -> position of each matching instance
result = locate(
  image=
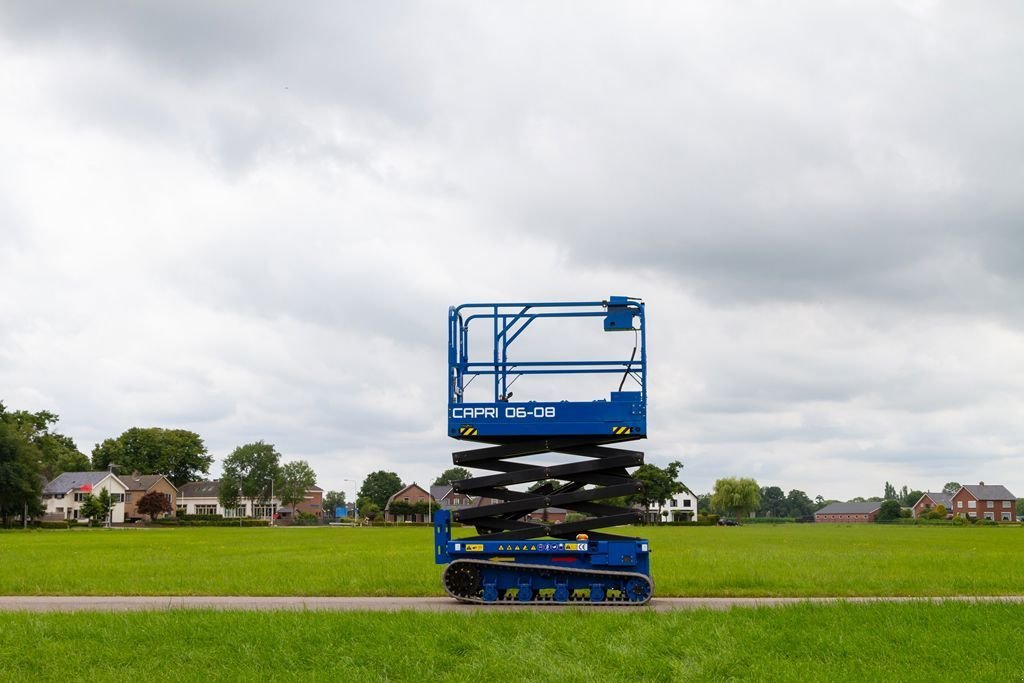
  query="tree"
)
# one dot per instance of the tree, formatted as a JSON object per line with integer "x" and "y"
{"x": 911, "y": 497}
{"x": 890, "y": 492}
{"x": 332, "y": 501}
{"x": 798, "y": 504}
{"x": 368, "y": 509}
{"x": 937, "y": 512}
{"x": 20, "y": 485}
{"x": 660, "y": 484}
{"x": 294, "y": 480}
{"x": 177, "y": 453}
{"x": 773, "y": 502}
{"x": 154, "y": 503}
{"x": 889, "y": 510}
{"x": 97, "y": 507}
{"x": 452, "y": 474}
{"x": 379, "y": 486}
{"x": 1020, "y": 508}
{"x": 54, "y": 452}
{"x": 248, "y": 473}
{"x": 951, "y": 487}
{"x": 737, "y": 495}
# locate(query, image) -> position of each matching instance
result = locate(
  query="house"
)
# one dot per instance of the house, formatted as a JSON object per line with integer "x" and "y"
{"x": 63, "y": 496}
{"x": 848, "y": 513}
{"x": 447, "y": 498}
{"x": 933, "y": 499}
{"x": 200, "y": 498}
{"x": 987, "y": 502}
{"x": 312, "y": 504}
{"x": 552, "y": 515}
{"x": 682, "y": 507}
{"x": 141, "y": 484}
{"x": 396, "y": 508}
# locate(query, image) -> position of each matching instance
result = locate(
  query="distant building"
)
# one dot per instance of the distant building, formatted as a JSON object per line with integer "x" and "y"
{"x": 312, "y": 504}
{"x": 987, "y": 502}
{"x": 409, "y": 495}
{"x": 202, "y": 498}
{"x": 933, "y": 499}
{"x": 63, "y": 497}
{"x": 682, "y": 507}
{"x": 141, "y": 484}
{"x": 848, "y": 513}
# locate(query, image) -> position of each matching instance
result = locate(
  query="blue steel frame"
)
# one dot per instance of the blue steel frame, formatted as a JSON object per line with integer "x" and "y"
{"x": 624, "y": 414}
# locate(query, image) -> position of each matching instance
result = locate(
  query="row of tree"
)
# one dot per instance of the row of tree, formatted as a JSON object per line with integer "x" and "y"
{"x": 32, "y": 453}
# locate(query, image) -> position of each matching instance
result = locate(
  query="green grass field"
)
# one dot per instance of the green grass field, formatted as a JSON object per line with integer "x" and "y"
{"x": 908, "y": 642}
{"x": 763, "y": 560}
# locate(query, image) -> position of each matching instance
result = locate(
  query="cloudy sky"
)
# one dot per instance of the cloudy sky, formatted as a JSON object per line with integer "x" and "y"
{"x": 248, "y": 219}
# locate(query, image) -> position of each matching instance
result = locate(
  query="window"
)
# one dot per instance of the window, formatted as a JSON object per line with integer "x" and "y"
{"x": 79, "y": 497}
{"x": 687, "y": 503}
{"x": 1005, "y": 517}
{"x": 237, "y": 512}
{"x": 117, "y": 497}
{"x": 1006, "y": 504}
{"x": 263, "y": 510}
{"x": 183, "y": 509}
{"x": 990, "y": 515}
{"x": 990, "y": 504}
{"x": 971, "y": 504}
{"x": 62, "y": 510}
{"x": 960, "y": 504}
{"x": 206, "y": 509}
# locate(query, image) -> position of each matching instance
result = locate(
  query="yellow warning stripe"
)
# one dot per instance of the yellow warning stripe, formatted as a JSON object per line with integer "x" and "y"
{"x": 622, "y": 430}
{"x": 467, "y": 430}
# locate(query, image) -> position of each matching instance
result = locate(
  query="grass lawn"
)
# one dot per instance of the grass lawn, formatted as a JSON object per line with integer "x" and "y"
{"x": 892, "y": 642}
{"x": 755, "y": 560}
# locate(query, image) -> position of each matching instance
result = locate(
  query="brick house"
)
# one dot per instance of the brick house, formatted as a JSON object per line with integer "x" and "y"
{"x": 63, "y": 496}
{"x": 313, "y": 503}
{"x": 410, "y": 495}
{"x": 553, "y": 515}
{"x": 933, "y": 499}
{"x": 141, "y": 484}
{"x": 985, "y": 502}
{"x": 848, "y": 513}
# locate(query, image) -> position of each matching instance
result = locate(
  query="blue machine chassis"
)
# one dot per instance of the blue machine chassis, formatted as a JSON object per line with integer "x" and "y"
{"x": 555, "y": 571}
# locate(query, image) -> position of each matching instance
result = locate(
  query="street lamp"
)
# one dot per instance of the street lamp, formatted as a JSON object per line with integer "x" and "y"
{"x": 273, "y": 509}
{"x": 355, "y": 510}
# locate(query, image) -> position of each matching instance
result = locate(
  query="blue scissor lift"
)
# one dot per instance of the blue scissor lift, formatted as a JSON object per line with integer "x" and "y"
{"x": 511, "y": 559}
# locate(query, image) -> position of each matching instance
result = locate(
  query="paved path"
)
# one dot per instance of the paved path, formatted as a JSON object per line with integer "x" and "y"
{"x": 138, "y": 603}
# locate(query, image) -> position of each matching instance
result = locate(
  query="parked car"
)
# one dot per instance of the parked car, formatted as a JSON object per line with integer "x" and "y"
{"x": 728, "y": 522}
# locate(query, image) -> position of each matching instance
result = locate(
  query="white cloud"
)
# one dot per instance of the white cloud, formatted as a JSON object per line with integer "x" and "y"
{"x": 250, "y": 223}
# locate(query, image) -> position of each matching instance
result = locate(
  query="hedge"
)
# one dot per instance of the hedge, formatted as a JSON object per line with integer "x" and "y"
{"x": 213, "y": 522}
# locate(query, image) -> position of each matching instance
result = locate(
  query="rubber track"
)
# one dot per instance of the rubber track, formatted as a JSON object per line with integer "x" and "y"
{"x": 608, "y": 601}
